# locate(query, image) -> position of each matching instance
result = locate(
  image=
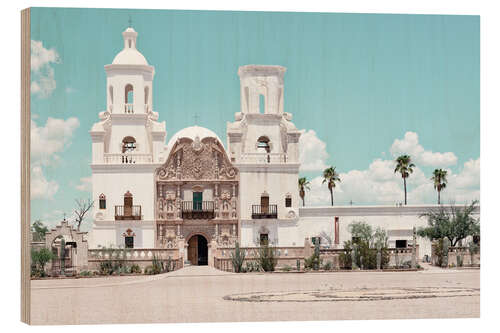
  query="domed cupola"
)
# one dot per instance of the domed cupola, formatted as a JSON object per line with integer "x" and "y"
{"x": 129, "y": 79}
{"x": 130, "y": 55}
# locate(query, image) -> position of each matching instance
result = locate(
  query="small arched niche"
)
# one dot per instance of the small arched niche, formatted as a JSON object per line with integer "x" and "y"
{"x": 128, "y": 144}
{"x": 129, "y": 94}
{"x": 264, "y": 144}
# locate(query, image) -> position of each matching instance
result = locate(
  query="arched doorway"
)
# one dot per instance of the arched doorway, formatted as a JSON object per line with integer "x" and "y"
{"x": 198, "y": 250}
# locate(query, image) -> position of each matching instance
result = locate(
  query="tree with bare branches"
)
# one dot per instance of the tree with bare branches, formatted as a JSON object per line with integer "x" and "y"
{"x": 82, "y": 208}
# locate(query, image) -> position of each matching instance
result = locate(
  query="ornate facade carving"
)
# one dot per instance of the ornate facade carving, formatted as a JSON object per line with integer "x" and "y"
{"x": 194, "y": 166}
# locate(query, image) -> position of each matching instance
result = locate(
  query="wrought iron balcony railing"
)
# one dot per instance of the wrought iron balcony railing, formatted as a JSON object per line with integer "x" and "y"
{"x": 128, "y": 213}
{"x": 198, "y": 210}
{"x": 264, "y": 212}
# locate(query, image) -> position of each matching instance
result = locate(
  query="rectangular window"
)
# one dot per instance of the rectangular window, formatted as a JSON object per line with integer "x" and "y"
{"x": 197, "y": 200}
{"x": 102, "y": 203}
{"x": 476, "y": 239}
{"x": 129, "y": 242}
{"x": 401, "y": 243}
{"x": 288, "y": 202}
{"x": 264, "y": 239}
{"x": 316, "y": 240}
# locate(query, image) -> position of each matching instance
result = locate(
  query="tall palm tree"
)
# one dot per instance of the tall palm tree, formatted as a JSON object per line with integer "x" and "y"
{"x": 405, "y": 167}
{"x": 330, "y": 176}
{"x": 303, "y": 186}
{"x": 439, "y": 178}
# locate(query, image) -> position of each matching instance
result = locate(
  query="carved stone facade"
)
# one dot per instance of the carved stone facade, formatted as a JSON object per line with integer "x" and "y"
{"x": 196, "y": 193}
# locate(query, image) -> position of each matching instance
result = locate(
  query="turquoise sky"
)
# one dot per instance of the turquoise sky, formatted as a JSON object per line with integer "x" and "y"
{"x": 359, "y": 80}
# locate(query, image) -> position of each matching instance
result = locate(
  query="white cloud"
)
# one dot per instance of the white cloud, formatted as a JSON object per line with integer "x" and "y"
{"x": 85, "y": 184}
{"x": 51, "y": 139}
{"x": 378, "y": 184}
{"x": 41, "y": 188}
{"x": 410, "y": 145}
{"x": 69, "y": 90}
{"x": 313, "y": 154}
{"x": 43, "y": 78}
{"x": 46, "y": 144}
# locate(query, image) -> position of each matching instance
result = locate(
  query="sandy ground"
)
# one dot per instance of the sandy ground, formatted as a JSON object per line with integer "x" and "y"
{"x": 203, "y": 294}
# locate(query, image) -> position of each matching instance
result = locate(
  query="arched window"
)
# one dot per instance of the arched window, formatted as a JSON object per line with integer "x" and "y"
{"x": 129, "y": 99}
{"x": 129, "y": 94}
{"x": 128, "y": 199}
{"x": 102, "y": 201}
{"x": 128, "y": 144}
{"x": 129, "y": 238}
{"x": 262, "y": 104}
{"x": 263, "y": 144}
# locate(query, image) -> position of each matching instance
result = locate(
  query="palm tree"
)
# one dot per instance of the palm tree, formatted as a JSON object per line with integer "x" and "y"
{"x": 331, "y": 176}
{"x": 405, "y": 167}
{"x": 303, "y": 186}
{"x": 439, "y": 178}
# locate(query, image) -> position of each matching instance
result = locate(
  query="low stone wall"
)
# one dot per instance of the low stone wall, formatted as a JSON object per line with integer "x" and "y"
{"x": 288, "y": 256}
{"x": 141, "y": 257}
{"x": 468, "y": 260}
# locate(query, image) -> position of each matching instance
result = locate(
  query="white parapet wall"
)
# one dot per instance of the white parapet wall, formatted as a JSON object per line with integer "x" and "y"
{"x": 398, "y": 221}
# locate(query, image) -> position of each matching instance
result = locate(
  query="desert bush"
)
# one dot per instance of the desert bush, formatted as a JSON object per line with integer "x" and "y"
{"x": 314, "y": 261}
{"x": 267, "y": 258}
{"x": 148, "y": 270}
{"x": 251, "y": 266}
{"x": 328, "y": 266}
{"x": 237, "y": 258}
{"x": 286, "y": 268}
{"x": 86, "y": 273}
{"x": 135, "y": 269}
{"x": 39, "y": 258}
{"x": 113, "y": 261}
{"x": 437, "y": 249}
{"x": 345, "y": 258}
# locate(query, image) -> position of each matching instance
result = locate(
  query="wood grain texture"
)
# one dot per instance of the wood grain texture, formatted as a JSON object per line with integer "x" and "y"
{"x": 25, "y": 165}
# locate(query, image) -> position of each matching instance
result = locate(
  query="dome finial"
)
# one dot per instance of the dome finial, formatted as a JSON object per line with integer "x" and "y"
{"x": 130, "y": 21}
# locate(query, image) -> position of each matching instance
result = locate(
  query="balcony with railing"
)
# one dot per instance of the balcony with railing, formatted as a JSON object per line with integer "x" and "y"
{"x": 129, "y": 108}
{"x": 128, "y": 212}
{"x": 128, "y": 158}
{"x": 264, "y": 212}
{"x": 198, "y": 210}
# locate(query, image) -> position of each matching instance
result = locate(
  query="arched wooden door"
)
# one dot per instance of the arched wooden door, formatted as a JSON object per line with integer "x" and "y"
{"x": 198, "y": 250}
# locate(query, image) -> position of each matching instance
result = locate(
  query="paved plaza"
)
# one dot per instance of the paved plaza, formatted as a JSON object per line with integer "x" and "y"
{"x": 203, "y": 294}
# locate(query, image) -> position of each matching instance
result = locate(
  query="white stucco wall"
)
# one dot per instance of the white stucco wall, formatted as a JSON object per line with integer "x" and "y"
{"x": 397, "y": 221}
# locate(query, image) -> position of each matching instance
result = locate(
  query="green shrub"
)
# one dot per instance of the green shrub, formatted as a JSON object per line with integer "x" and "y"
{"x": 286, "y": 268}
{"x": 39, "y": 258}
{"x": 148, "y": 270}
{"x": 113, "y": 261}
{"x": 328, "y": 266}
{"x": 345, "y": 258}
{"x": 251, "y": 266}
{"x": 314, "y": 261}
{"x": 437, "y": 249}
{"x": 86, "y": 273}
{"x": 267, "y": 258}
{"x": 135, "y": 269}
{"x": 237, "y": 258}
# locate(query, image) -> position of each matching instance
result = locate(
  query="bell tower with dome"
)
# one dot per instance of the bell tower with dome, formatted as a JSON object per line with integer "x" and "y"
{"x": 127, "y": 146}
{"x": 263, "y": 144}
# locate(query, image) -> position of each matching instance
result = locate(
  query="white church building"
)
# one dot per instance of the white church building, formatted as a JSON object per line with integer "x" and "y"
{"x": 195, "y": 190}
